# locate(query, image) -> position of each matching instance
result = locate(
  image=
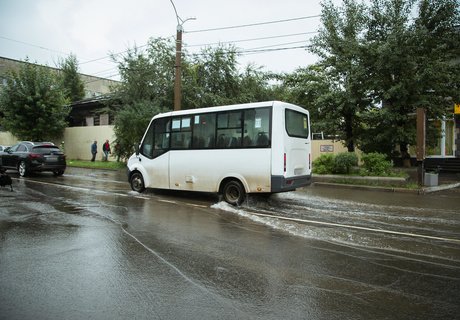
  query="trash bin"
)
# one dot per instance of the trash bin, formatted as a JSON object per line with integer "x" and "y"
{"x": 431, "y": 179}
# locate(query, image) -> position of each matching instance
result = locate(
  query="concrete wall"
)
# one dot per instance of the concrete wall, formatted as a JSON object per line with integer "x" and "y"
{"x": 7, "y": 139}
{"x": 320, "y": 147}
{"x": 78, "y": 140}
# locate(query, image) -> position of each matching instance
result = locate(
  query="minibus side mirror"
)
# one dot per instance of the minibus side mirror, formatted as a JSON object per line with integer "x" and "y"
{"x": 137, "y": 149}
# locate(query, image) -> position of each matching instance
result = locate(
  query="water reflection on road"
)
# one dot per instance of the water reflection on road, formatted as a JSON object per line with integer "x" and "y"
{"x": 86, "y": 246}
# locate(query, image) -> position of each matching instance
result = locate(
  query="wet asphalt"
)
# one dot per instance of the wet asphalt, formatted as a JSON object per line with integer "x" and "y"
{"x": 83, "y": 246}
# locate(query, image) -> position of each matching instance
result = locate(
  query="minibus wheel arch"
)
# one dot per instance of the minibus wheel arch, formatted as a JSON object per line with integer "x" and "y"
{"x": 136, "y": 180}
{"x": 232, "y": 191}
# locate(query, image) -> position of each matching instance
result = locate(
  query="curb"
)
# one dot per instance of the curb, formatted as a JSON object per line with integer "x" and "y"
{"x": 322, "y": 180}
{"x": 440, "y": 188}
{"x": 361, "y": 187}
{"x": 424, "y": 190}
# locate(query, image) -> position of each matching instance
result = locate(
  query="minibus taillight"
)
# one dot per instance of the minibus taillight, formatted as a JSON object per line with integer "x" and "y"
{"x": 285, "y": 163}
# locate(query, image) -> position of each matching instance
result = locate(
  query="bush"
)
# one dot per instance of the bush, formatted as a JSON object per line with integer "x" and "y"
{"x": 376, "y": 164}
{"x": 324, "y": 164}
{"x": 344, "y": 162}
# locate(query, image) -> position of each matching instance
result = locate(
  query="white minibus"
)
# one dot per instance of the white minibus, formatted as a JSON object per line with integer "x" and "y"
{"x": 233, "y": 150}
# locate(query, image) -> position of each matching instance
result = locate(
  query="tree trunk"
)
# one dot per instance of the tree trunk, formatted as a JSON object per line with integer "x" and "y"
{"x": 349, "y": 133}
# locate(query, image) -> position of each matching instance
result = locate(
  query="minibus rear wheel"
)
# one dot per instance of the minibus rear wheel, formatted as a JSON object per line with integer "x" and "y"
{"x": 137, "y": 182}
{"x": 233, "y": 192}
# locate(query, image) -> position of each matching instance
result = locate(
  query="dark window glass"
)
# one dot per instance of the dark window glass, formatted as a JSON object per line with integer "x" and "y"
{"x": 256, "y": 128}
{"x": 229, "y": 129}
{"x": 21, "y": 148}
{"x": 181, "y": 135}
{"x": 156, "y": 140}
{"x": 47, "y": 150}
{"x": 204, "y": 131}
{"x": 297, "y": 124}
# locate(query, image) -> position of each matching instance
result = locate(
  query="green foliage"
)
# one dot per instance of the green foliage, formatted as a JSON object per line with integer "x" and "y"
{"x": 311, "y": 88}
{"x": 324, "y": 164}
{"x": 108, "y": 165}
{"x": 344, "y": 162}
{"x": 130, "y": 125}
{"x": 208, "y": 79}
{"x": 339, "y": 45}
{"x": 71, "y": 81}
{"x": 215, "y": 76}
{"x": 376, "y": 164}
{"x": 379, "y": 63}
{"x": 410, "y": 65}
{"x": 33, "y": 104}
{"x": 147, "y": 75}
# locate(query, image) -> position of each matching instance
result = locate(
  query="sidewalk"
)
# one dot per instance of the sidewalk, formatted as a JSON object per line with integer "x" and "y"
{"x": 446, "y": 181}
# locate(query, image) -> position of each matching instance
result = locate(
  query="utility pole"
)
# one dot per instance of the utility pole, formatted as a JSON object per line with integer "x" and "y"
{"x": 178, "y": 71}
{"x": 178, "y": 66}
{"x": 421, "y": 133}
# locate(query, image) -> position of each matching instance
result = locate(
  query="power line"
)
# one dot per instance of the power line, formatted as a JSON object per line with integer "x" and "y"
{"x": 244, "y": 51}
{"x": 253, "y": 39}
{"x": 113, "y": 54}
{"x": 275, "y": 45}
{"x": 253, "y": 24}
{"x": 256, "y": 51}
{"x": 34, "y": 45}
{"x": 50, "y": 50}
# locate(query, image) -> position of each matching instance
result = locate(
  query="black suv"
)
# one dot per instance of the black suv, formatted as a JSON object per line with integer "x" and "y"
{"x": 27, "y": 157}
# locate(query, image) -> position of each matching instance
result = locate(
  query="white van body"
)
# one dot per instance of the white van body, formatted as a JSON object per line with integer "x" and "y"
{"x": 262, "y": 147}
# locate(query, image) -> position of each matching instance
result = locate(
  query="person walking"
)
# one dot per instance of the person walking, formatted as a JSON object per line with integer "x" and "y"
{"x": 106, "y": 149}
{"x": 94, "y": 150}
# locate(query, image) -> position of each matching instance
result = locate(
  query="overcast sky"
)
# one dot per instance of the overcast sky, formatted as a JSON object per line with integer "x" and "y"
{"x": 46, "y": 30}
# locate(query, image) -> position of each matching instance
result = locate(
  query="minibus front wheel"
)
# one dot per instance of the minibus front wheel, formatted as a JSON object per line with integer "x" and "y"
{"x": 233, "y": 192}
{"x": 137, "y": 182}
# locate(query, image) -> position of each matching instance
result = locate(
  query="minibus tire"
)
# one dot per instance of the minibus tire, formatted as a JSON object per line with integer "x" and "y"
{"x": 137, "y": 182}
{"x": 233, "y": 192}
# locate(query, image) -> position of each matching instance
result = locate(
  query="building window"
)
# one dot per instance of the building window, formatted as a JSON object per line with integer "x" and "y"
{"x": 104, "y": 119}
{"x": 89, "y": 121}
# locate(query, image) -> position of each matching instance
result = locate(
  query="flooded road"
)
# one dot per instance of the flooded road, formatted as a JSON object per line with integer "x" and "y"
{"x": 84, "y": 246}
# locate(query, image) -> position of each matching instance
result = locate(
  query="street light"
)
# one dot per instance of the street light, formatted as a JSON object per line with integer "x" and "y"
{"x": 178, "y": 66}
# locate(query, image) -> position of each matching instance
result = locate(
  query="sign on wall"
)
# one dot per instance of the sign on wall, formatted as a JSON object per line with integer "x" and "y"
{"x": 326, "y": 148}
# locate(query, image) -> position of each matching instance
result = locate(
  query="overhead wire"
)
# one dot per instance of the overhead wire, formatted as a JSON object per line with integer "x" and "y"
{"x": 240, "y": 51}
{"x": 252, "y": 39}
{"x": 253, "y": 24}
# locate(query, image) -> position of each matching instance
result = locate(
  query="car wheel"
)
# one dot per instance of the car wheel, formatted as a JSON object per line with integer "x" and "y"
{"x": 22, "y": 168}
{"x": 137, "y": 182}
{"x": 233, "y": 192}
{"x": 58, "y": 173}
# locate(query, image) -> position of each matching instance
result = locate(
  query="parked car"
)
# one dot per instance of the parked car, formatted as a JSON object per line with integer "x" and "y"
{"x": 2, "y": 148}
{"x": 27, "y": 157}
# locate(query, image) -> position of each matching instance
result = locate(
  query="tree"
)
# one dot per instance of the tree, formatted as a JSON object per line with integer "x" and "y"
{"x": 147, "y": 75}
{"x": 33, "y": 104}
{"x": 410, "y": 65}
{"x": 216, "y": 77}
{"x": 147, "y": 88}
{"x": 255, "y": 85}
{"x": 383, "y": 60}
{"x": 339, "y": 45}
{"x": 70, "y": 78}
{"x": 208, "y": 79}
{"x": 130, "y": 125}
{"x": 312, "y": 88}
